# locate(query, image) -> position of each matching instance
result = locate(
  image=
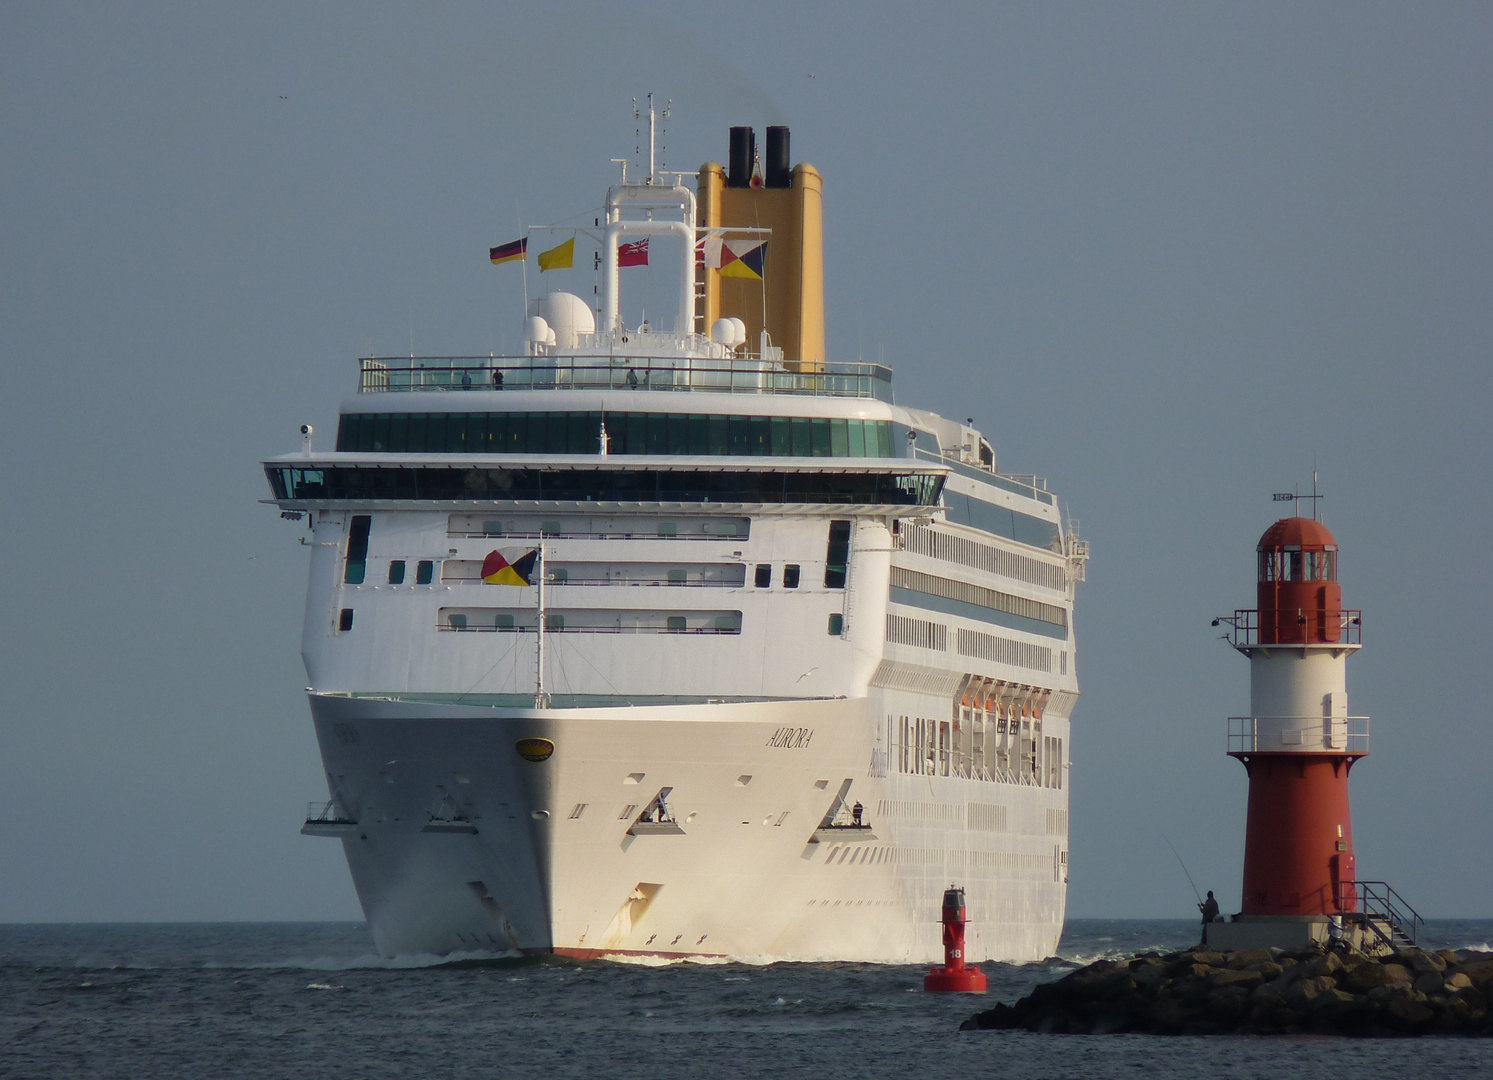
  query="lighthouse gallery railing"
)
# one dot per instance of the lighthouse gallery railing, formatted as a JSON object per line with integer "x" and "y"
{"x": 1298, "y": 734}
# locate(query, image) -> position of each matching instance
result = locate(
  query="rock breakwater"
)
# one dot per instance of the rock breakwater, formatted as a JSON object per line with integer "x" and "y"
{"x": 1263, "y": 992}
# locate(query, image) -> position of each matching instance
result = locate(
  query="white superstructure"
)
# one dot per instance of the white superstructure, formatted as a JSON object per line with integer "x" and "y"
{"x": 794, "y": 658}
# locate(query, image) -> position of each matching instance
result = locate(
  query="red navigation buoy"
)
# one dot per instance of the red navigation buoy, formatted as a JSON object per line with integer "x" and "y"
{"x": 954, "y": 977}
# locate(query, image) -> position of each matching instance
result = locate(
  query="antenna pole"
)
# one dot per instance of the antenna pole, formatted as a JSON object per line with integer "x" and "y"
{"x": 541, "y": 699}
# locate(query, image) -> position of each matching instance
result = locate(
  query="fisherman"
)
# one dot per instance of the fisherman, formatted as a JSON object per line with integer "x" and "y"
{"x": 1209, "y": 908}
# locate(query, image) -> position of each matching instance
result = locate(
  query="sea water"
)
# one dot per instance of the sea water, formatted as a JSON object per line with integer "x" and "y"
{"x": 315, "y": 1001}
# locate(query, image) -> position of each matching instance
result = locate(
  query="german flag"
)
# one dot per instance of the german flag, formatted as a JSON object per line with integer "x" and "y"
{"x": 513, "y": 252}
{"x": 498, "y": 570}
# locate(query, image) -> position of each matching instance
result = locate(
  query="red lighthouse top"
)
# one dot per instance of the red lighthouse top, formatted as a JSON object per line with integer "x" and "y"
{"x": 1300, "y": 600}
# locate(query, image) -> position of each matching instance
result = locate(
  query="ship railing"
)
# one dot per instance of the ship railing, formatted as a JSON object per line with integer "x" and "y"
{"x": 637, "y": 582}
{"x": 555, "y": 628}
{"x": 1243, "y": 627}
{"x": 1298, "y": 734}
{"x": 642, "y": 373}
{"x": 326, "y": 812}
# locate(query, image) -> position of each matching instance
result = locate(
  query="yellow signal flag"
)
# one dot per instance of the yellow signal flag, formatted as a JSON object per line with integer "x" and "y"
{"x": 558, "y": 258}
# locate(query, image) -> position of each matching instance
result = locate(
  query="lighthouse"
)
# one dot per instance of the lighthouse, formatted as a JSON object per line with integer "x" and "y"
{"x": 1298, "y": 746}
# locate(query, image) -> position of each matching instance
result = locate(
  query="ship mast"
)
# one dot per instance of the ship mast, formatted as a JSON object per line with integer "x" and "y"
{"x": 541, "y": 697}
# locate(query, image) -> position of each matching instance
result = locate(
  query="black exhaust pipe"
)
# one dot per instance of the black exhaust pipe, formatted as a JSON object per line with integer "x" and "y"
{"x": 779, "y": 168}
{"x": 743, "y": 153}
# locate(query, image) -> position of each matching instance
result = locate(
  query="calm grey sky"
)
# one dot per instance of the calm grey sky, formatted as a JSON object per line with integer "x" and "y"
{"x": 1169, "y": 256}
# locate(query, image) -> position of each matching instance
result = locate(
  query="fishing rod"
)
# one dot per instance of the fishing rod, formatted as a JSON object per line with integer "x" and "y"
{"x": 1183, "y": 865}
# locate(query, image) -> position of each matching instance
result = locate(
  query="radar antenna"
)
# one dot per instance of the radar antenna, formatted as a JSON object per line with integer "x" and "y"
{"x": 654, "y": 130}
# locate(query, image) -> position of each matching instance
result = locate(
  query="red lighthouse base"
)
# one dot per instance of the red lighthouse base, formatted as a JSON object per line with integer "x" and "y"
{"x": 954, "y": 977}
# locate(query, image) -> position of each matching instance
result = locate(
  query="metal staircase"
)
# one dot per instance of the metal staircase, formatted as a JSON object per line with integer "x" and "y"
{"x": 1383, "y": 913}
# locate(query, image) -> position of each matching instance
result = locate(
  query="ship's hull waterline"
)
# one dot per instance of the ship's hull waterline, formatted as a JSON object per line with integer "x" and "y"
{"x": 464, "y": 845}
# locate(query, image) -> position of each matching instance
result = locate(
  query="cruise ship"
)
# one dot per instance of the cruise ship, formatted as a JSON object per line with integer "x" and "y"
{"x": 679, "y": 640}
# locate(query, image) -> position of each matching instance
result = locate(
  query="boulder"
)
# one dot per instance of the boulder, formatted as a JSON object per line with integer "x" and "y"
{"x": 1410, "y": 1013}
{"x": 1331, "y": 998}
{"x": 1246, "y": 980}
{"x": 1243, "y": 958}
{"x": 1151, "y": 975}
{"x": 1369, "y": 976}
{"x": 1429, "y": 983}
{"x": 1326, "y": 964}
{"x": 1420, "y": 961}
{"x": 1303, "y": 991}
{"x": 1268, "y": 969}
{"x": 1228, "y": 1005}
{"x": 1479, "y": 971}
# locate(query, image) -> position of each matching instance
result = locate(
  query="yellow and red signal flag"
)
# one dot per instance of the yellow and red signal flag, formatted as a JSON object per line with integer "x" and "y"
{"x": 743, "y": 261}
{"x": 634, "y": 254}
{"x": 499, "y": 569}
{"x": 513, "y": 252}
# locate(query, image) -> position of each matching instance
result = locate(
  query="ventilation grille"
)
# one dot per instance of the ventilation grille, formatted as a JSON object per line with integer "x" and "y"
{"x": 986, "y": 557}
{"x": 1002, "y": 650}
{"x": 902, "y": 630}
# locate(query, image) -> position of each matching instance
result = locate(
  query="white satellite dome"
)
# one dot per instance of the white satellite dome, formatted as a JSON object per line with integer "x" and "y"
{"x": 729, "y": 332}
{"x": 537, "y": 331}
{"x": 568, "y": 316}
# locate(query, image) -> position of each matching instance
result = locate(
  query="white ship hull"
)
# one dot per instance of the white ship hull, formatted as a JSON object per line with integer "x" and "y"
{"x": 653, "y": 642}
{"x": 542, "y": 857}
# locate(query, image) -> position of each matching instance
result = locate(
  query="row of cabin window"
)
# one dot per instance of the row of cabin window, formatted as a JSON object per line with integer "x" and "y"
{"x": 697, "y": 434}
{"x": 356, "y": 570}
{"x": 676, "y": 624}
{"x": 837, "y": 559}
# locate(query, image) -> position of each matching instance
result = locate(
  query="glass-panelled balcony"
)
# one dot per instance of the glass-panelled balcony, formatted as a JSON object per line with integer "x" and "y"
{"x": 657, "y": 373}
